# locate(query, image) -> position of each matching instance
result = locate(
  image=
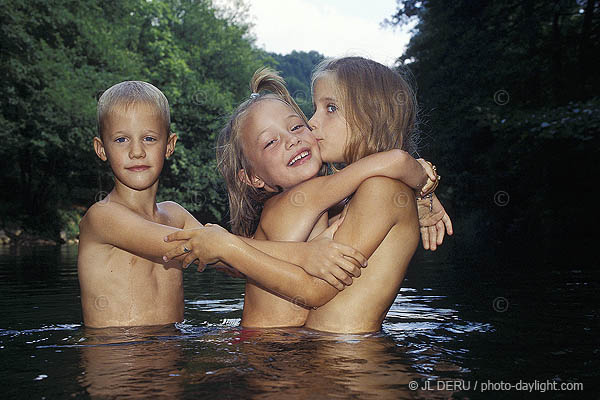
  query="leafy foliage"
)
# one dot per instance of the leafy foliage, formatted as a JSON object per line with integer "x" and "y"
{"x": 511, "y": 104}
{"x": 58, "y": 57}
{"x": 297, "y": 68}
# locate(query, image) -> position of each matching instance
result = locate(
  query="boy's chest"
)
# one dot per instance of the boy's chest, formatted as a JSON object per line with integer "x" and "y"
{"x": 139, "y": 269}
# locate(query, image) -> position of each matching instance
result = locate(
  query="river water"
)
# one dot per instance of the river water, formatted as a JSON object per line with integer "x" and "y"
{"x": 461, "y": 327}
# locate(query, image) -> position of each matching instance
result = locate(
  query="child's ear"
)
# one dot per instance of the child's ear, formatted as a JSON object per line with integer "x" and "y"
{"x": 99, "y": 148}
{"x": 171, "y": 144}
{"x": 255, "y": 181}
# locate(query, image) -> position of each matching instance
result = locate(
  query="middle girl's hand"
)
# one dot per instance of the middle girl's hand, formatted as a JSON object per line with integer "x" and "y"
{"x": 333, "y": 262}
{"x": 201, "y": 244}
{"x": 434, "y": 222}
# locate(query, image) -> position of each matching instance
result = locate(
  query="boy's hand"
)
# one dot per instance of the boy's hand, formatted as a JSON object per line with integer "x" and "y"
{"x": 333, "y": 262}
{"x": 201, "y": 245}
{"x": 434, "y": 223}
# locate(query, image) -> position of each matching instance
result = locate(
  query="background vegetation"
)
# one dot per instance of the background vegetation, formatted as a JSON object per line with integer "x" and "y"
{"x": 509, "y": 93}
{"x": 511, "y": 112}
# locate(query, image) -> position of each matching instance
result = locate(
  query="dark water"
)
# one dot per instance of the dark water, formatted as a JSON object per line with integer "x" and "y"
{"x": 460, "y": 328}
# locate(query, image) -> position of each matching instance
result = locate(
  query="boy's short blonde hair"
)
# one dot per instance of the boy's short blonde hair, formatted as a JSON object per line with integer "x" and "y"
{"x": 126, "y": 94}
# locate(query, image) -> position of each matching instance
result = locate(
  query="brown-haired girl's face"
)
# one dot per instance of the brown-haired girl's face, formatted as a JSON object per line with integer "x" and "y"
{"x": 328, "y": 123}
{"x": 280, "y": 147}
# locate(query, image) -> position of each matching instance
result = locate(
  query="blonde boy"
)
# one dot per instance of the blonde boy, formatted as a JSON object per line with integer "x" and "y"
{"x": 123, "y": 279}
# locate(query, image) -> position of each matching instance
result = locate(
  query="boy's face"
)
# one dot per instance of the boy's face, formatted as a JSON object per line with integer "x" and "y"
{"x": 135, "y": 143}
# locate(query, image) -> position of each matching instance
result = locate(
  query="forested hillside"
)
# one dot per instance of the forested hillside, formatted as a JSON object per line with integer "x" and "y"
{"x": 297, "y": 68}
{"x": 58, "y": 57}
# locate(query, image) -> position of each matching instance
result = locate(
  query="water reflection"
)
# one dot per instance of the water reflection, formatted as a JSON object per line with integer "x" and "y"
{"x": 442, "y": 326}
{"x": 132, "y": 363}
{"x": 298, "y": 363}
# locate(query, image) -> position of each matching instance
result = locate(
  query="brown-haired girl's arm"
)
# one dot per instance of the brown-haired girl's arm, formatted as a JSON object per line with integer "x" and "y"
{"x": 307, "y": 201}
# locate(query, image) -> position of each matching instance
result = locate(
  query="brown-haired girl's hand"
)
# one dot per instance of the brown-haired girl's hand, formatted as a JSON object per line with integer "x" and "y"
{"x": 333, "y": 262}
{"x": 201, "y": 245}
{"x": 432, "y": 177}
{"x": 434, "y": 222}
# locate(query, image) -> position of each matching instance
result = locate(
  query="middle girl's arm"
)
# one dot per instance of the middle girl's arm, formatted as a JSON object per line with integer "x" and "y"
{"x": 213, "y": 243}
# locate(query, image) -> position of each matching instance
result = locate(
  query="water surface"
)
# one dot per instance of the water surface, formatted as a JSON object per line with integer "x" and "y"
{"x": 455, "y": 324}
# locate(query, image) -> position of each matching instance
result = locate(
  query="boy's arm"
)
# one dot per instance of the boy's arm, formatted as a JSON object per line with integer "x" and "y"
{"x": 305, "y": 202}
{"x": 114, "y": 224}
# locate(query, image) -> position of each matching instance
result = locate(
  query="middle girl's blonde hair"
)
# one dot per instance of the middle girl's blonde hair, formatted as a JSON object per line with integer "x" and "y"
{"x": 245, "y": 201}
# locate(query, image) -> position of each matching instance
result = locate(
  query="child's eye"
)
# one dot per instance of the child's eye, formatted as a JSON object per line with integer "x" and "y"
{"x": 150, "y": 139}
{"x": 331, "y": 108}
{"x": 270, "y": 143}
{"x": 120, "y": 140}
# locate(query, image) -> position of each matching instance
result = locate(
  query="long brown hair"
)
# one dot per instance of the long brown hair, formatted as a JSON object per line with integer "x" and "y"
{"x": 378, "y": 103}
{"x": 245, "y": 201}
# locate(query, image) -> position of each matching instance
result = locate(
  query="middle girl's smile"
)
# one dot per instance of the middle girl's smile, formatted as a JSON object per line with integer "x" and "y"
{"x": 281, "y": 149}
{"x": 300, "y": 158}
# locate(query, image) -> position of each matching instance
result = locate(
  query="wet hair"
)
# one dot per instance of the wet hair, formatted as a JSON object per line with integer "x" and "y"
{"x": 126, "y": 94}
{"x": 379, "y": 105}
{"x": 245, "y": 201}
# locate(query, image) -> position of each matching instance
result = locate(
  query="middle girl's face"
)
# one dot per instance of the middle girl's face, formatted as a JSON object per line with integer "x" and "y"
{"x": 282, "y": 150}
{"x": 328, "y": 123}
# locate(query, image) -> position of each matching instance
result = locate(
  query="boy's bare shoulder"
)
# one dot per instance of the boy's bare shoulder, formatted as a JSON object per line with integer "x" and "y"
{"x": 99, "y": 214}
{"x": 177, "y": 216}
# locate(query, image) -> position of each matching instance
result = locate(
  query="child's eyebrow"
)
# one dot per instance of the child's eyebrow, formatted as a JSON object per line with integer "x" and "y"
{"x": 322, "y": 99}
{"x": 267, "y": 128}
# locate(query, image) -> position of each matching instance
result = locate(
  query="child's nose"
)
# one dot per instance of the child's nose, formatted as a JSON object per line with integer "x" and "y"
{"x": 293, "y": 140}
{"x": 313, "y": 123}
{"x": 137, "y": 150}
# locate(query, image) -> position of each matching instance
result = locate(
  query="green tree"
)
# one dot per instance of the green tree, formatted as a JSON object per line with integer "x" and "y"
{"x": 503, "y": 88}
{"x": 297, "y": 68}
{"x": 58, "y": 58}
